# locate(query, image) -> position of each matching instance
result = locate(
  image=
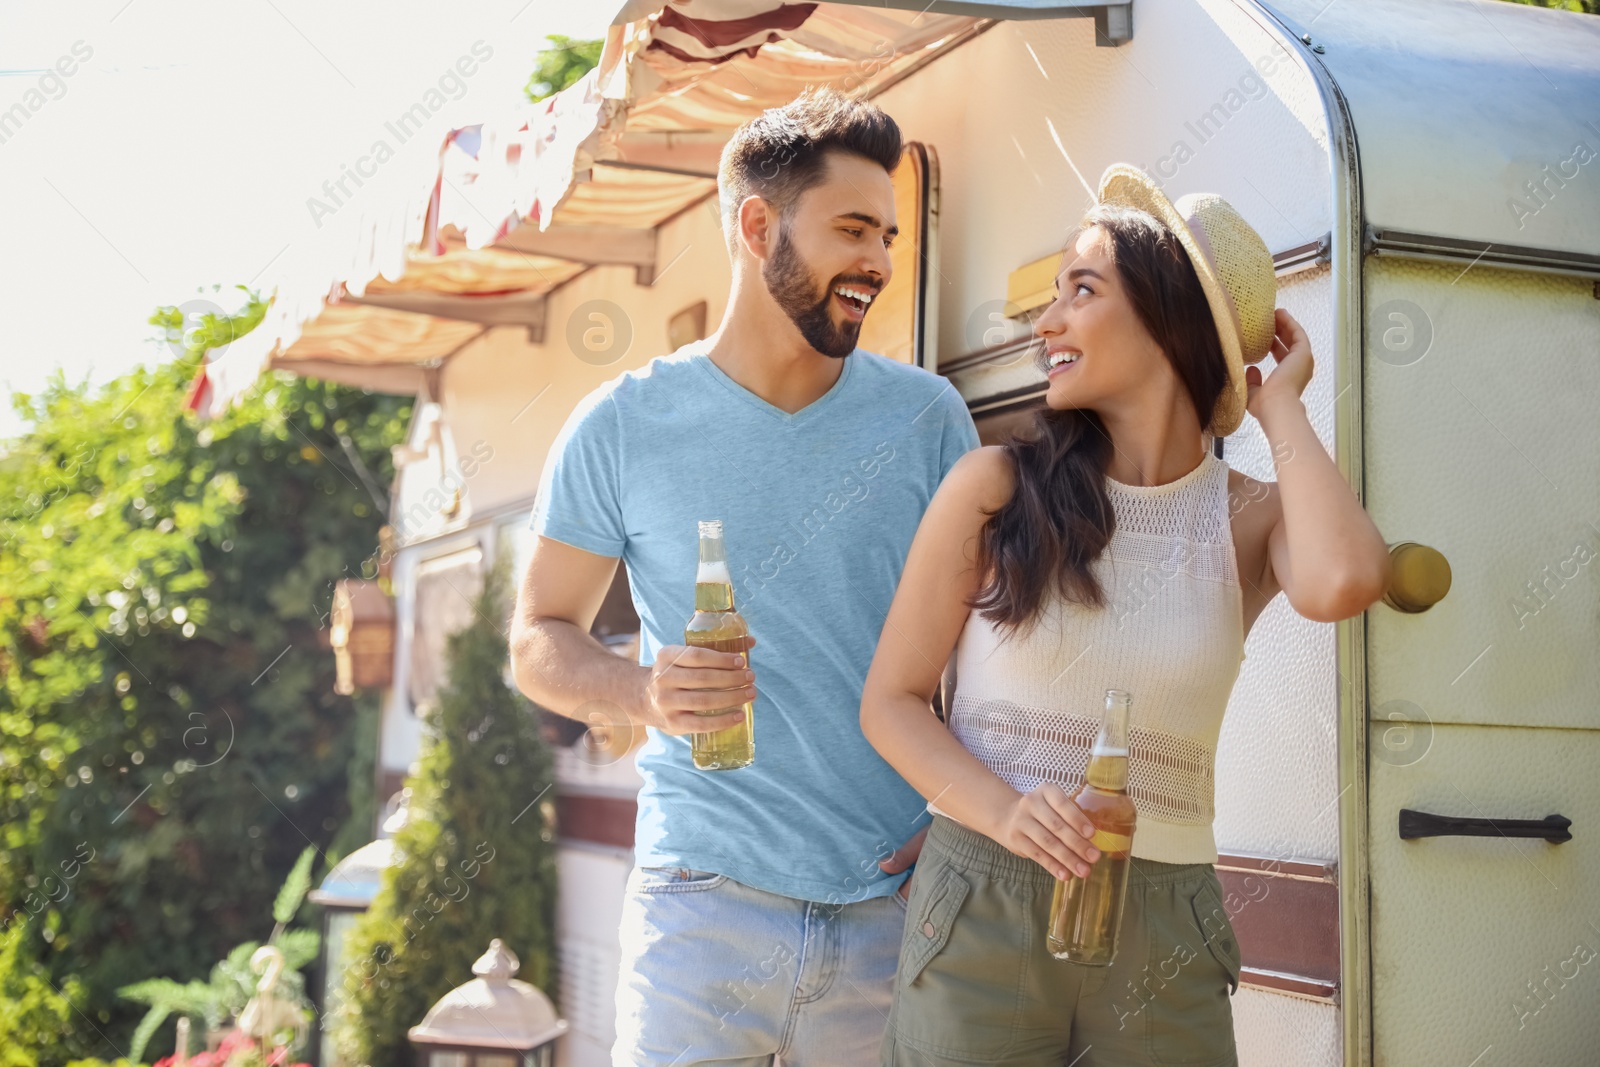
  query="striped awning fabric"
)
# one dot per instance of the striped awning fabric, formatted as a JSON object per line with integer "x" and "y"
{"x": 673, "y": 82}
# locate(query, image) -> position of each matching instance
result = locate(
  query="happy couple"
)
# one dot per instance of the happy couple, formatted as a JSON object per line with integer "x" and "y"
{"x": 767, "y": 918}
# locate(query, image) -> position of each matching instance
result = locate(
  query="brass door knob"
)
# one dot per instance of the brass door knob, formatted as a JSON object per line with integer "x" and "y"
{"x": 1421, "y": 577}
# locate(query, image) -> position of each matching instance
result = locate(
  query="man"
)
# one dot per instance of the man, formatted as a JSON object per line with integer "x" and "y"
{"x": 762, "y": 919}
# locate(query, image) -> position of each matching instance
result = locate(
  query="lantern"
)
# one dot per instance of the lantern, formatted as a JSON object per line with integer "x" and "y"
{"x": 493, "y": 1021}
{"x": 346, "y": 892}
{"x": 362, "y": 636}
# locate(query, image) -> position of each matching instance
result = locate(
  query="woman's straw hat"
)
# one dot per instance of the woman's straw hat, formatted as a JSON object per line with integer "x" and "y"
{"x": 1235, "y": 271}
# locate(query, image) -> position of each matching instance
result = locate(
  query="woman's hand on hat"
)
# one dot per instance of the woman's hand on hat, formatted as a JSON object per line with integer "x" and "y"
{"x": 1291, "y": 349}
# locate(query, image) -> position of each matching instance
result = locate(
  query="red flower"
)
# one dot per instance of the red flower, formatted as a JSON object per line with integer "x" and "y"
{"x": 236, "y": 1041}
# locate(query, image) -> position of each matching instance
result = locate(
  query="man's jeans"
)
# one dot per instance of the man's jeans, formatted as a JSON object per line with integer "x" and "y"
{"x": 717, "y": 972}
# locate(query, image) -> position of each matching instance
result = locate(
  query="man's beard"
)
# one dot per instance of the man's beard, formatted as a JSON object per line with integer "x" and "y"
{"x": 793, "y": 286}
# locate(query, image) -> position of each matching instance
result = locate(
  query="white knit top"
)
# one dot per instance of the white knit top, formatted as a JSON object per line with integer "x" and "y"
{"x": 1172, "y": 635}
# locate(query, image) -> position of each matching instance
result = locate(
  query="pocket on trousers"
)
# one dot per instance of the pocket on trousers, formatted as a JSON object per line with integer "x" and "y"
{"x": 962, "y": 960}
{"x": 1217, "y": 929}
{"x": 928, "y": 928}
{"x": 1193, "y": 970}
{"x": 675, "y": 879}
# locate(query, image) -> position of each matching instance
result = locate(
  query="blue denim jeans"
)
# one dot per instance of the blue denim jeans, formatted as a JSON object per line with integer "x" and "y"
{"x": 717, "y": 972}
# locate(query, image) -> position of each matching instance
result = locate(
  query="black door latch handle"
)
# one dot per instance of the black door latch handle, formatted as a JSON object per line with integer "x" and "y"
{"x": 1553, "y": 828}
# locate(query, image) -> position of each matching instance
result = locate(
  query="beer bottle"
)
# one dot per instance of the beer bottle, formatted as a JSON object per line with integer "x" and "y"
{"x": 716, "y": 625}
{"x": 1086, "y": 913}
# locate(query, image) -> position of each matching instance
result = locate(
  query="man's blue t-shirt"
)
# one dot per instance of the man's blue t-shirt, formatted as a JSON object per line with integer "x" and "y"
{"x": 818, "y": 508}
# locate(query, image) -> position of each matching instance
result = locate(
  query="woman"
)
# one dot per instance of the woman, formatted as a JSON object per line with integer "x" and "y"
{"x": 1108, "y": 549}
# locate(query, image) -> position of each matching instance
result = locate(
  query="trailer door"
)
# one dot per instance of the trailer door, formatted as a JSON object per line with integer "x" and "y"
{"x": 1481, "y": 391}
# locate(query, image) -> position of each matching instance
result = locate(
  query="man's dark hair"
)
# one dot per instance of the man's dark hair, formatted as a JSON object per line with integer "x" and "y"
{"x": 783, "y": 151}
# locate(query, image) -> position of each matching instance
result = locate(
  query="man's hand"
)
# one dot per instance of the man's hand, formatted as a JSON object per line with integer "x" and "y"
{"x": 685, "y": 682}
{"x": 904, "y": 857}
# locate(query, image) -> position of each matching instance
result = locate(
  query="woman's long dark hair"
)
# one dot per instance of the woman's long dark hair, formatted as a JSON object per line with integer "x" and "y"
{"x": 1059, "y": 519}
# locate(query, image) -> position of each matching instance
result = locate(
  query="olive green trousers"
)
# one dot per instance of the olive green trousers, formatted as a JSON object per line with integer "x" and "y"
{"x": 977, "y": 985}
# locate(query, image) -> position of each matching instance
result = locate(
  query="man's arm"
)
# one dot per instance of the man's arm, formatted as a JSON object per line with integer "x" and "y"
{"x": 558, "y": 665}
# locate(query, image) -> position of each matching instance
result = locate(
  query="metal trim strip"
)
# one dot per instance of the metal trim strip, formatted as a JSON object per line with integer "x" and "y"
{"x": 1293, "y": 985}
{"x": 1273, "y": 867}
{"x": 1454, "y": 250}
{"x": 1345, "y": 258}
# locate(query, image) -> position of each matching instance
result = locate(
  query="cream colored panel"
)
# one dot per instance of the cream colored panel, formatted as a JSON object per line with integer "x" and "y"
{"x": 1029, "y": 114}
{"x": 1483, "y": 441}
{"x": 1277, "y": 763}
{"x": 1278, "y": 1031}
{"x": 509, "y": 398}
{"x": 1486, "y": 951}
{"x": 589, "y": 912}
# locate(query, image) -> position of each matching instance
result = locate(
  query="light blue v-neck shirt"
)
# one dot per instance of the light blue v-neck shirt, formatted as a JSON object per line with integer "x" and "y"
{"x": 819, "y": 508}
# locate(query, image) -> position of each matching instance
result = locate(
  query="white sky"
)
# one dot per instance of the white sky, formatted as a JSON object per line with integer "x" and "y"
{"x": 181, "y": 153}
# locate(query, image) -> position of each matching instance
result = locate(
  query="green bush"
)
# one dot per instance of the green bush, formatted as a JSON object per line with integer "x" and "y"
{"x": 170, "y": 739}
{"x": 479, "y": 857}
{"x": 33, "y": 1014}
{"x": 211, "y": 1005}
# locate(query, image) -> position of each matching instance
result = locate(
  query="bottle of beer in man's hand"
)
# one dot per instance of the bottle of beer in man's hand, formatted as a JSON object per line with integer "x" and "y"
{"x": 717, "y": 626}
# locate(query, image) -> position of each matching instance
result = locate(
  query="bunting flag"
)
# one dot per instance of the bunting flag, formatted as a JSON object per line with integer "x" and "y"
{"x": 198, "y": 399}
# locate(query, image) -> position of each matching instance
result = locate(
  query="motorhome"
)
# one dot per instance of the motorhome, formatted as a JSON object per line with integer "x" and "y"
{"x": 1406, "y": 802}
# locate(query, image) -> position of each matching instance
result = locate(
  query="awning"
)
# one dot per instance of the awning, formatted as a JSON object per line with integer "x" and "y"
{"x": 518, "y": 205}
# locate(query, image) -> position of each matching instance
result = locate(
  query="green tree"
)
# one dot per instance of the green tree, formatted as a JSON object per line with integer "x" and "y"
{"x": 1585, "y": 7}
{"x": 479, "y": 857}
{"x": 169, "y": 735}
{"x": 561, "y": 65}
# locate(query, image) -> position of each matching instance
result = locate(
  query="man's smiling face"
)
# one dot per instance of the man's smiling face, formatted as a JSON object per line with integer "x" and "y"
{"x": 831, "y": 258}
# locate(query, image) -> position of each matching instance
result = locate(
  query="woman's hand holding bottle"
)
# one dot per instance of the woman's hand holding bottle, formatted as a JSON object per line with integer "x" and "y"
{"x": 1048, "y": 827}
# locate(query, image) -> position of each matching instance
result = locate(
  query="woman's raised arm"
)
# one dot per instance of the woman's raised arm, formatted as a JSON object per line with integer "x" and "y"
{"x": 1324, "y": 552}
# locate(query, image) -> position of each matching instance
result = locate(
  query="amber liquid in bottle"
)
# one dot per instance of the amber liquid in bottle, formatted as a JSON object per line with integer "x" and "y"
{"x": 716, "y": 625}
{"x": 1086, "y": 913}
